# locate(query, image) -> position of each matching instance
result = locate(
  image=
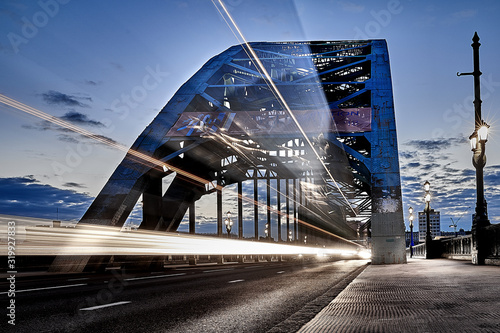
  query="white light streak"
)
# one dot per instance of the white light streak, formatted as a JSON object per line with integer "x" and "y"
{"x": 279, "y": 96}
{"x": 142, "y": 158}
{"x": 104, "y": 240}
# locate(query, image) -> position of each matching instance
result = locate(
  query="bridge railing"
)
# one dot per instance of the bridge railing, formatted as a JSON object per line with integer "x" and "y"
{"x": 458, "y": 248}
{"x": 418, "y": 251}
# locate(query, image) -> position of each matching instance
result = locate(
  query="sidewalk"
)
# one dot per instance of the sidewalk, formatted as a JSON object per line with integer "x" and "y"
{"x": 437, "y": 295}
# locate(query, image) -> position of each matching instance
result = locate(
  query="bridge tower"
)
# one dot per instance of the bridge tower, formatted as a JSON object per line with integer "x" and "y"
{"x": 319, "y": 115}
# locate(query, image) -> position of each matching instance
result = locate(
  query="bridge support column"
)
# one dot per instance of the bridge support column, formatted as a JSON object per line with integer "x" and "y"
{"x": 240, "y": 210}
{"x": 219, "y": 208}
{"x": 278, "y": 204}
{"x": 287, "y": 195}
{"x": 256, "y": 207}
{"x": 192, "y": 218}
{"x": 388, "y": 240}
{"x": 295, "y": 222}
{"x": 268, "y": 202}
{"x": 152, "y": 203}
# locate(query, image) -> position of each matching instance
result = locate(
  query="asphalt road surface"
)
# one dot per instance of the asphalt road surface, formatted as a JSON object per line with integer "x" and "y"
{"x": 257, "y": 297}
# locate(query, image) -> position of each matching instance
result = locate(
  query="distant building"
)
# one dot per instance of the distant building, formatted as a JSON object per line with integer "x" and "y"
{"x": 435, "y": 219}
{"x": 460, "y": 232}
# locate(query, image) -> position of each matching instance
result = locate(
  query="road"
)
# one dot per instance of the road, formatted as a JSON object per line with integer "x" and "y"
{"x": 257, "y": 297}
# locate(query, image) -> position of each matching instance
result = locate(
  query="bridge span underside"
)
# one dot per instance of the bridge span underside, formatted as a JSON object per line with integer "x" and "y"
{"x": 316, "y": 118}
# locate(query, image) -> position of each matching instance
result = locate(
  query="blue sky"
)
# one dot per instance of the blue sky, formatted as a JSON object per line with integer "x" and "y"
{"x": 110, "y": 67}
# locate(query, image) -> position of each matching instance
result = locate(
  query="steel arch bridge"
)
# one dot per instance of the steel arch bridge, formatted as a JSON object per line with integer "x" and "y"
{"x": 316, "y": 116}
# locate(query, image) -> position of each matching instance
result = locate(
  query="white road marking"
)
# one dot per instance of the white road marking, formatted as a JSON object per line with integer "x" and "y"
{"x": 280, "y": 272}
{"x": 154, "y": 277}
{"x": 219, "y": 270}
{"x": 236, "y": 281}
{"x": 47, "y": 288}
{"x": 104, "y": 306}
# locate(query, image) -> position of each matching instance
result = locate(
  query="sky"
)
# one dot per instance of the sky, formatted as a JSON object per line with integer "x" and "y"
{"x": 110, "y": 67}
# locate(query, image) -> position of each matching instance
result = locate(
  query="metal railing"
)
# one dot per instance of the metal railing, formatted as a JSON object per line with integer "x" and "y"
{"x": 418, "y": 251}
{"x": 458, "y": 248}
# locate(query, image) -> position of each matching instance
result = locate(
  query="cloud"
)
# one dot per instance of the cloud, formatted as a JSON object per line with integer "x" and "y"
{"x": 67, "y": 135}
{"x": 350, "y": 6}
{"x": 117, "y": 66}
{"x": 92, "y": 82}
{"x": 81, "y": 119}
{"x": 413, "y": 165}
{"x": 26, "y": 196}
{"x": 435, "y": 144}
{"x": 464, "y": 14}
{"x": 59, "y": 98}
{"x": 460, "y": 17}
{"x": 75, "y": 185}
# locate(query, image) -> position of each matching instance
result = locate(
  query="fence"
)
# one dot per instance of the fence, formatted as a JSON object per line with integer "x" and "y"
{"x": 458, "y": 248}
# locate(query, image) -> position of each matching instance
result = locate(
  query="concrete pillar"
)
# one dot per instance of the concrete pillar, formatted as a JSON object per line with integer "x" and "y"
{"x": 240, "y": 210}
{"x": 256, "y": 206}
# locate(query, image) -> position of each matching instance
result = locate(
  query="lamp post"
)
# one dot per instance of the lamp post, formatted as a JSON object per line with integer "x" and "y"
{"x": 428, "y": 236}
{"x": 229, "y": 224}
{"x": 411, "y": 231}
{"x": 478, "y": 146}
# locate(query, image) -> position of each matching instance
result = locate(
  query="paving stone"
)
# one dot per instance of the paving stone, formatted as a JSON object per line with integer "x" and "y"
{"x": 435, "y": 295}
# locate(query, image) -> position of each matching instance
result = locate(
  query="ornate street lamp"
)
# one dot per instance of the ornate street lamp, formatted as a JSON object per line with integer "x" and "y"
{"x": 478, "y": 146}
{"x": 229, "y": 224}
{"x": 428, "y": 236}
{"x": 411, "y": 231}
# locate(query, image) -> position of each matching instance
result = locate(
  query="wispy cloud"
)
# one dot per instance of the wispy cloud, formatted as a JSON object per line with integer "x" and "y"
{"x": 92, "y": 82}
{"x": 461, "y": 16}
{"x": 67, "y": 135}
{"x": 436, "y": 144}
{"x": 81, "y": 119}
{"x": 59, "y": 98}
{"x": 350, "y": 6}
{"x": 74, "y": 185}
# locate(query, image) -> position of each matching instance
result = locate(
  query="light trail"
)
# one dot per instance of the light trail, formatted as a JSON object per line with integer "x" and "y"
{"x": 143, "y": 158}
{"x": 105, "y": 240}
{"x": 280, "y": 97}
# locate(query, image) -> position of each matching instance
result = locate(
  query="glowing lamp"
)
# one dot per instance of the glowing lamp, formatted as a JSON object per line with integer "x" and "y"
{"x": 483, "y": 133}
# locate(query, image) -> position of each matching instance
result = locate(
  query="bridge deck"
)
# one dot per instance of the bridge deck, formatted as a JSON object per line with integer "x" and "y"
{"x": 436, "y": 295}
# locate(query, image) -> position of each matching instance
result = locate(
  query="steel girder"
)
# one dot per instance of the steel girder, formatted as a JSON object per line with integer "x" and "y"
{"x": 227, "y": 124}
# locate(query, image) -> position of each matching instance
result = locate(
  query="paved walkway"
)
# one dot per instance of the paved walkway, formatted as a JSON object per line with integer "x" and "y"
{"x": 436, "y": 295}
